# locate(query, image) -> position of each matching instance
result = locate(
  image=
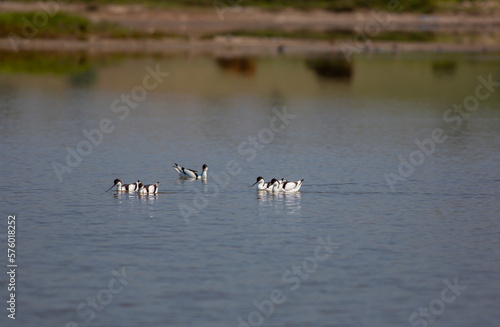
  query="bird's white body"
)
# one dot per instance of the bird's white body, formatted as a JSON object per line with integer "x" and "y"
{"x": 120, "y": 187}
{"x": 262, "y": 185}
{"x": 191, "y": 174}
{"x": 148, "y": 189}
{"x": 285, "y": 186}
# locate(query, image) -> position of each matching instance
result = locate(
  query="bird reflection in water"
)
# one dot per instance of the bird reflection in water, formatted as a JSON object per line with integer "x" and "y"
{"x": 289, "y": 203}
{"x": 148, "y": 198}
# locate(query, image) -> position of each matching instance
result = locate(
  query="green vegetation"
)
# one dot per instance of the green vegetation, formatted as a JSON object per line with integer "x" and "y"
{"x": 70, "y": 26}
{"x": 65, "y": 26}
{"x": 60, "y": 25}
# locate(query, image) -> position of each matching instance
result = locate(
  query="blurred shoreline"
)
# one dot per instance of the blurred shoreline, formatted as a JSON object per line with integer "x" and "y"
{"x": 235, "y": 47}
{"x": 252, "y": 31}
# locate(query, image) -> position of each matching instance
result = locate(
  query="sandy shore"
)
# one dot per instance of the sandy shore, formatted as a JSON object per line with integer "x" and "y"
{"x": 194, "y": 23}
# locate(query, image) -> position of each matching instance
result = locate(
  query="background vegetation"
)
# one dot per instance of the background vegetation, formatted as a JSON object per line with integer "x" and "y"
{"x": 64, "y": 25}
{"x": 335, "y": 5}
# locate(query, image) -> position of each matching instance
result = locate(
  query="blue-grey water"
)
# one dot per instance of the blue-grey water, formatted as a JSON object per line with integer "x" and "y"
{"x": 347, "y": 250}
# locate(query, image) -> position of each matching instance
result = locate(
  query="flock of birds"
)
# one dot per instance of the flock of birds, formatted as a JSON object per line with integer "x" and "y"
{"x": 277, "y": 185}
{"x": 273, "y": 186}
{"x": 135, "y": 187}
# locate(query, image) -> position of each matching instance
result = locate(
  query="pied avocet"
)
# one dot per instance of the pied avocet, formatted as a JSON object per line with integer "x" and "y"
{"x": 134, "y": 187}
{"x": 148, "y": 189}
{"x": 191, "y": 174}
{"x": 286, "y": 186}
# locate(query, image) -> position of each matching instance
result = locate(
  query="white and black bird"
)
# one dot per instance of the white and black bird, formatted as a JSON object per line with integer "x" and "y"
{"x": 285, "y": 186}
{"x": 191, "y": 174}
{"x": 134, "y": 187}
{"x": 148, "y": 189}
{"x": 262, "y": 185}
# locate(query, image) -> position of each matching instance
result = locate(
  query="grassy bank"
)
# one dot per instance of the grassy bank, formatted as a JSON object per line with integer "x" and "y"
{"x": 65, "y": 26}
{"x": 31, "y": 24}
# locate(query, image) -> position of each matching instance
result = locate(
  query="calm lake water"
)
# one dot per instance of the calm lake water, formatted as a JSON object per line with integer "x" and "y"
{"x": 347, "y": 250}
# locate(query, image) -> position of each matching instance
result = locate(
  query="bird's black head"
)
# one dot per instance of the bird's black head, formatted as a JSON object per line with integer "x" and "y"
{"x": 258, "y": 180}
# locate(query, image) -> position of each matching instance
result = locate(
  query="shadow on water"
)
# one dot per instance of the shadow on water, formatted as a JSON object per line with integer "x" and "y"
{"x": 276, "y": 78}
{"x": 83, "y": 79}
{"x": 330, "y": 68}
{"x": 242, "y": 65}
{"x": 80, "y": 68}
{"x": 444, "y": 67}
{"x": 43, "y": 63}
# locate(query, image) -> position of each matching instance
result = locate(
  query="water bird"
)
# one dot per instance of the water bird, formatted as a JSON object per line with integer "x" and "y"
{"x": 148, "y": 189}
{"x": 191, "y": 174}
{"x": 285, "y": 186}
{"x": 262, "y": 185}
{"x": 134, "y": 187}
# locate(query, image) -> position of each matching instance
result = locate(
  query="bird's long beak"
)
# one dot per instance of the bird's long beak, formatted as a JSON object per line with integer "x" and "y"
{"x": 111, "y": 187}
{"x": 254, "y": 184}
